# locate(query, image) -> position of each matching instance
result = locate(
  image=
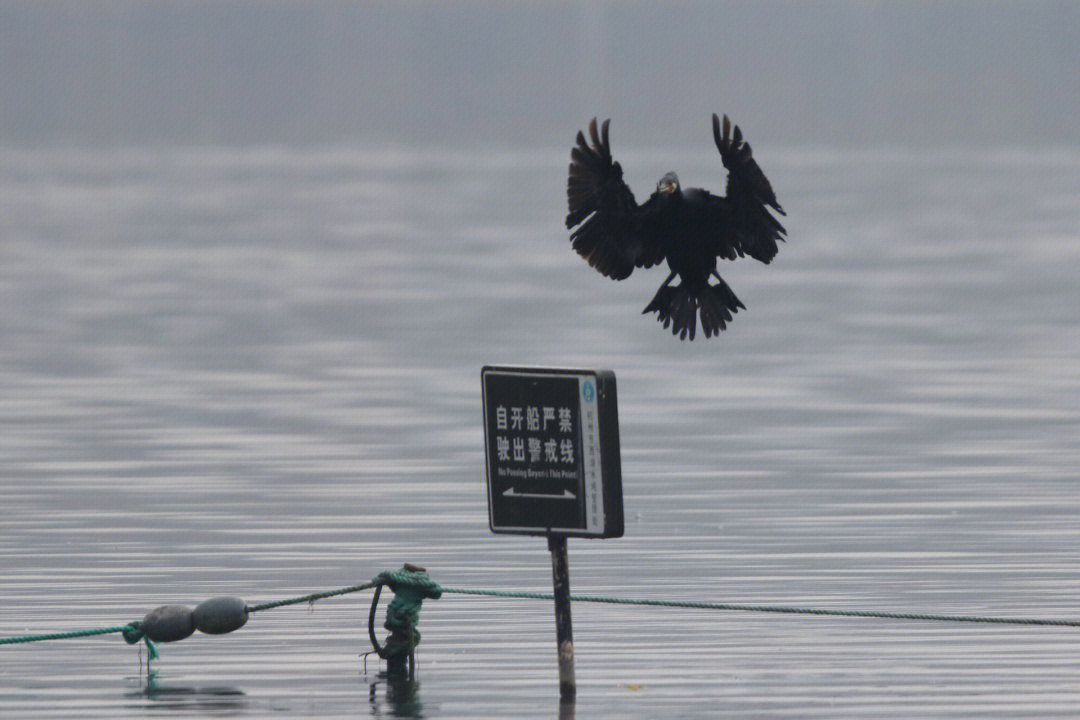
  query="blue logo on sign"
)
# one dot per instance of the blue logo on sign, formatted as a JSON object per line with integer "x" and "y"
{"x": 588, "y": 392}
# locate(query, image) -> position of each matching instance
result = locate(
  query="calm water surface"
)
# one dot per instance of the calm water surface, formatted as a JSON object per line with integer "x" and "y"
{"x": 256, "y": 372}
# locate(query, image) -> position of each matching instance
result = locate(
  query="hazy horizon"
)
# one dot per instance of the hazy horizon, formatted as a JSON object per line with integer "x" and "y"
{"x": 529, "y": 75}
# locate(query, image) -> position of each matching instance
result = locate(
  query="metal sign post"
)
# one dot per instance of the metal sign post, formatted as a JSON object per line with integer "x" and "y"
{"x": 553, "y": 468}
{"x": 564, "y": 629}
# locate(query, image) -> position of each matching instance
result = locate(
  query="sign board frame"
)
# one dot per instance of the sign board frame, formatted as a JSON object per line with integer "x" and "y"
{"x": 551, "y": 449}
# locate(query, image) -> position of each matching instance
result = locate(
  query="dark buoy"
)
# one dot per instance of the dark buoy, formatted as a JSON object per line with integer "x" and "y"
{"x": 168, "y": 623}
{"x": 220, "y": 615}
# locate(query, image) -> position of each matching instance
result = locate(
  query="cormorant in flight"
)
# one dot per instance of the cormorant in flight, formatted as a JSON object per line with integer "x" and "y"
{"x": 689, "y": 228}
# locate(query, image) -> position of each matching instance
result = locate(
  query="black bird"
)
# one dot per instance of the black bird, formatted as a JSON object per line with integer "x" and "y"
{"x": 689, "y": 228}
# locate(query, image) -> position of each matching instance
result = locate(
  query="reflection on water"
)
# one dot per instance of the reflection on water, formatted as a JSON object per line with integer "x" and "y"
{"x": 256, "y": 373}
{"x": 207, "y": 698}
{"x": 400, "y": 697}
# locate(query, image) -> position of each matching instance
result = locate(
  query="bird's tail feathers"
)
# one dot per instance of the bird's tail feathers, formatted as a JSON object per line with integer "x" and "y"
{"x": 678, "y": 307}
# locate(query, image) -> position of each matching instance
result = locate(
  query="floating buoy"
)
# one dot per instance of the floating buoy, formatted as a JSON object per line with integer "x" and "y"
{"x": 220, "y": 615}
{"x": 168, "y": 623}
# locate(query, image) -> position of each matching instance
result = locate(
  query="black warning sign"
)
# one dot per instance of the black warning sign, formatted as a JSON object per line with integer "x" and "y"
{"x": 552, "y": 447}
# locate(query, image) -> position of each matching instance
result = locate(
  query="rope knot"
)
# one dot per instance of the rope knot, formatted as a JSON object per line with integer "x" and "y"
{"x": 132, "y": 632}
{"x": 410, "y": 580}
{"x": 411, "y": 585}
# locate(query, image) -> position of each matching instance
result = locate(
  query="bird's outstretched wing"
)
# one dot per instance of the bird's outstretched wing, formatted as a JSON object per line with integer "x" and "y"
{"x": 747, "y": 223}
{"x": 609, "y": 229}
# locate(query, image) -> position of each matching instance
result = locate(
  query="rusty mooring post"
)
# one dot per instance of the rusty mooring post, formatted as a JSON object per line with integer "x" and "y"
{"x": 564, "y": 633}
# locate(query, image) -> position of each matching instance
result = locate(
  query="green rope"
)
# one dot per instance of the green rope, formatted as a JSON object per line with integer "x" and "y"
{"x": 133, "y": 633}
{"x": 415, "y": 586}
{"x": 64, "y": 635}
{"x": 775, "y": 608}
{"x": 312, "y": 597}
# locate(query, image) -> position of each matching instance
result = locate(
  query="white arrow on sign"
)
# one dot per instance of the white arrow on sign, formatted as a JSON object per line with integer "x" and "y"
{"x": 564, "y": 495}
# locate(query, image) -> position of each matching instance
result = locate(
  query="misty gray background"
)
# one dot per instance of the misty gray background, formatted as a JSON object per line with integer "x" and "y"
{"x": 529, "y": 74}
{"x": 254, "y": 255}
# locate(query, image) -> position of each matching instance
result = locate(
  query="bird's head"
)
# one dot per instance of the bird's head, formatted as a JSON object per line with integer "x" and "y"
{"x": 669, "y": 184}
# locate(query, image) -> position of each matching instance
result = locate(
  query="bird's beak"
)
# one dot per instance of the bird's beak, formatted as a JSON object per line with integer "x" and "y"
{"x": 667, "y": 186}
